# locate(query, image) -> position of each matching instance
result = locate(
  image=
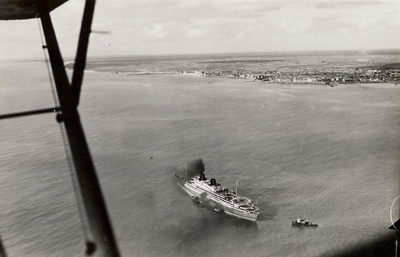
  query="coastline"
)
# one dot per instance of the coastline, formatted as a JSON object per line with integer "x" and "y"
{"x": 331, "y": 68}
{"x": 254, "y": 80}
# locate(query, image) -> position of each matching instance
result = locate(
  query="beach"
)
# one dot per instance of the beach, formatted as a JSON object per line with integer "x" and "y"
{"x": 330, "y": 153}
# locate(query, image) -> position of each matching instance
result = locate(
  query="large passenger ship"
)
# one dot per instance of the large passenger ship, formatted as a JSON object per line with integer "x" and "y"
{"x": 208, "y": 193}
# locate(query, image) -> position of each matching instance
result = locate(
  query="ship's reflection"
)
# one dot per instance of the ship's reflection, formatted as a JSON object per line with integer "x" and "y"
{"x": 222, "y": 219}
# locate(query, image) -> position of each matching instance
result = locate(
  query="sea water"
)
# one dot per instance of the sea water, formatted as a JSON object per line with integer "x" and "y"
{"x": 295, "y": 149}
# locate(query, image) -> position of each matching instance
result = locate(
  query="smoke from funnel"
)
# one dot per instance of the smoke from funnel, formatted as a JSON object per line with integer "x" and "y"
{"x": 195, "y": 168}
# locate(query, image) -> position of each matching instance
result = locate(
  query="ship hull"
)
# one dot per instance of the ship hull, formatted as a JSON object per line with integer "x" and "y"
{"x": 227, "y": 207}
{"x": 238, "y": 214}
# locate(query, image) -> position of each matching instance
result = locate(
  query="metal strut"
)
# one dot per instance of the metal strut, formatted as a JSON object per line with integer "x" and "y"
{"x": 102, "y": 241}
{"x": 20, "y": 114}
{"x": 81, "y": 52}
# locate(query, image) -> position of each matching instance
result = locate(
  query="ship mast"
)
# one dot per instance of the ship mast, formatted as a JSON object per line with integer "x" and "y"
{"x": 236, "y": 188}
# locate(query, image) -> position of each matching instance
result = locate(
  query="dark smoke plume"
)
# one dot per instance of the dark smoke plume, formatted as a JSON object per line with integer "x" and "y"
{"x": 195, "y": 168}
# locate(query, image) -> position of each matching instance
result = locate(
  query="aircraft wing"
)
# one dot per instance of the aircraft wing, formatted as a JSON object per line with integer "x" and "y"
{"x": 24, "y": 9}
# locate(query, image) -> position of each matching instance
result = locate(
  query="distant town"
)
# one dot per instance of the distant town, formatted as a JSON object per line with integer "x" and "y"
{"x": 311, "y": 75}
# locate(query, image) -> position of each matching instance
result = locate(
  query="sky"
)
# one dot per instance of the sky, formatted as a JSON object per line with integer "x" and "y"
{"x": 158, "y": 27}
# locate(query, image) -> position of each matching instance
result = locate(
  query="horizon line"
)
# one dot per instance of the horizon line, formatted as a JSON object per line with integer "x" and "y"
{"x": 213, "y": 53}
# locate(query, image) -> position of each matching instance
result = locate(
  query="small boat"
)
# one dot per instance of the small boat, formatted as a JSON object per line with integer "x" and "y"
{"x": 303, "y": 222}
{"x": 202, "y": 202}
{"x": 196, "y": 201}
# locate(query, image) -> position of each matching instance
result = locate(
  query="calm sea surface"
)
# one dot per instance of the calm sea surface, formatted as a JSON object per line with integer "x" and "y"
{"x": 329, "y": 153}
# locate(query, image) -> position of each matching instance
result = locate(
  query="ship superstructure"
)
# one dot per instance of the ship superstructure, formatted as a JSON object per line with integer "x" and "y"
{"x": 213, "y": 195}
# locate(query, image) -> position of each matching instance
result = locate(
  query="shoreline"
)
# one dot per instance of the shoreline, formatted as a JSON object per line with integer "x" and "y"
{"x": 326, "y": 82}
{"x": 331, "y": 84}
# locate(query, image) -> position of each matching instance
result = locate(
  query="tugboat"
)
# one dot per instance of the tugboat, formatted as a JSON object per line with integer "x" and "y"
{"x": 208, "y": 193}
{"x": 303, "y": 222}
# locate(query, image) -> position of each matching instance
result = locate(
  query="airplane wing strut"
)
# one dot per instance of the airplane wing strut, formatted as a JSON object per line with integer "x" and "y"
{"x": 102, "y": 240}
